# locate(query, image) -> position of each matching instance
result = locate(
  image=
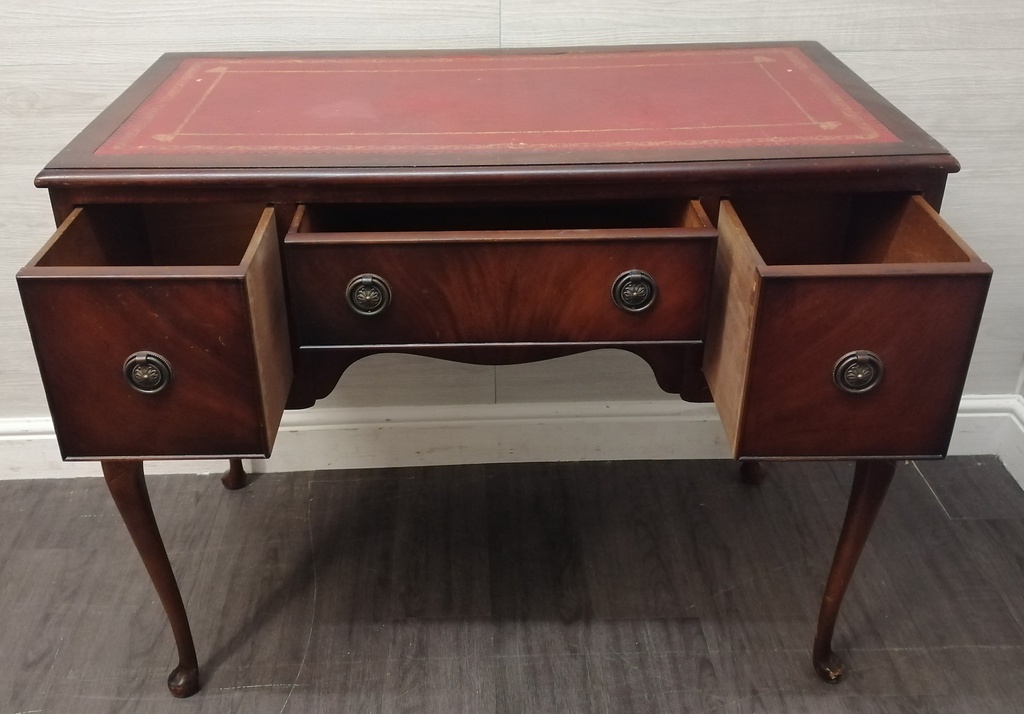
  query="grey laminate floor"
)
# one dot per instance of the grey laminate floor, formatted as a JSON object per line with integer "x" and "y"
{"x": 593, "y": 587}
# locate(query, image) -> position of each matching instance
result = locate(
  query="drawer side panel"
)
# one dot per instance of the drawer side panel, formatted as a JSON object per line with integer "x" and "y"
{"x": 264, "y": 285}
{"x": 734, "y": 296}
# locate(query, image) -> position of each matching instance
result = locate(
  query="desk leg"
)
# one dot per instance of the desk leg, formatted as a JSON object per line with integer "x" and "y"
{"x": 127, "y": 483}
{"x": 234, "y": 478}
{"x": 870, "y": 484}
{"x": 752, "y": 473}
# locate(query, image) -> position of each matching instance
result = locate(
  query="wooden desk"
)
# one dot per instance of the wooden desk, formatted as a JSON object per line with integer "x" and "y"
{"x": 754, "y": 221}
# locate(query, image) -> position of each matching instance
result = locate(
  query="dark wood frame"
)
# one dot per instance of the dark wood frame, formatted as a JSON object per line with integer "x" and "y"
{"x": 916, "y": 164}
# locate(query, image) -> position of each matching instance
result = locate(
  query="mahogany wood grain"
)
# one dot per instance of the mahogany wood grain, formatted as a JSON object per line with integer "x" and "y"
{"x": 925, "y": 174}
{"x": 127, "y": 483}
{"x": 153, "y": 235}
{"x": 870, "y": 485}
{"x": 99, "y": 236}
{"x": 733, "y": 304}
{"x": 205, "y": 234}
{"x": 796, "y": 228}
{"x": 498, "y": 254}
{"x": 268, "y": 322}
{"x": 500, "y": 286}
{"x": 786, "y": 336}
{"x": 230, "y": 369}
{"x": 894, "y": 231}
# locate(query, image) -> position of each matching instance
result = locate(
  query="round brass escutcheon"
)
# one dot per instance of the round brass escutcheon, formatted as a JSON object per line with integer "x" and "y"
{"x": 634, "y": 291}
{"x": 368, "y": 294}
{"x": 858, "y": 372}
{"x": 147, "y": 372}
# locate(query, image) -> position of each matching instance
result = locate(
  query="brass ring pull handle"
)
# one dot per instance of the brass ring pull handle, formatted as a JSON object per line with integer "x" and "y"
{"x": 147, "y": 372}
{"x": 858, "y": 372}
{"x": 634, "y": 291}
{"x": 368, "y": 294}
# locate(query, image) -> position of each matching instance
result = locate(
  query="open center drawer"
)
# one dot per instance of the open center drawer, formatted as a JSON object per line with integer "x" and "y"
{"x": 551, "y": 272}
{"x": 161, "y": 330}
{"x": 841, "y": 326}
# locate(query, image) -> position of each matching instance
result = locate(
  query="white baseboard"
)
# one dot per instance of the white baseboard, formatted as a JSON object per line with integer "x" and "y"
{"x": 1001, "y": 418}
{"x": 419, "y": 436}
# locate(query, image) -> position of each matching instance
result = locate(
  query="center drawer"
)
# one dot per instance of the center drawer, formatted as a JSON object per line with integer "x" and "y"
{"x": 429, "y": 274}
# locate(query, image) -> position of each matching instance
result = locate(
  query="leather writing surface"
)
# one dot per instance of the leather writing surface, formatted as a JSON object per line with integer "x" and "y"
{"x": 530, "y": 106}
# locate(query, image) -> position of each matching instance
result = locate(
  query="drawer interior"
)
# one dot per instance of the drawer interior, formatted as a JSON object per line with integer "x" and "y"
{"x": 525, "y": 216}
{"x": 154, "y": 235}
{"x": 836, "y": 229}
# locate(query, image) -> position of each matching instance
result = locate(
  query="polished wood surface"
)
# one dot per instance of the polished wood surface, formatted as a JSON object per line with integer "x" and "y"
{"x": 127, "y": 484}
{"x": 730, "y": 324}
{"x": 465, "y": 287}
{"x": 891, "y": 277}
{"x": 91, "y": 302}
{"x": 870, "y": 484}
{"x": 829, "y": 243}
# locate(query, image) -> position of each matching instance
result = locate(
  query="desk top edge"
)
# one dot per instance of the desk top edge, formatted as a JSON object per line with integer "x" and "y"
{"x": 80, "y": 162}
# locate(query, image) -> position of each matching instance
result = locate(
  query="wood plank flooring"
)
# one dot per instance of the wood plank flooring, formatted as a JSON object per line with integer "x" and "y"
{"x": 584, "y": 587}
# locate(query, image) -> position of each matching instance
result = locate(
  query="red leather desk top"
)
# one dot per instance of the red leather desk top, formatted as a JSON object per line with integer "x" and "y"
{"x": 494, "y": 108}
{"x": 524, "y": 103}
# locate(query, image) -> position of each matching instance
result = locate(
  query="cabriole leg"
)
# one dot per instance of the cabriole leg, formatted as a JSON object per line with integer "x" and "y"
{"x": 870, "y": 484}
{"x": 234, "y": 478}
{"x": 127, "y": 484}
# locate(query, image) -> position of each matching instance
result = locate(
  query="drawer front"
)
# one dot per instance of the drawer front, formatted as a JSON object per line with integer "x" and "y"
{"x": 779, "y": 335}
{"x": 504, "y": 291}
{"x": 85, "y": 330}
{"x": 217, "y": 383}
{"x": 920, "y": 329}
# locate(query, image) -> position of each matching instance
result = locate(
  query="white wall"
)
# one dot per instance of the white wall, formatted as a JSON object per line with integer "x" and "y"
{"x": 956, "y": 68}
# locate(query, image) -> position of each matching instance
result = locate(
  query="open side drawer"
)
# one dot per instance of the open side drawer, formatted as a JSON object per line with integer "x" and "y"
{"x": 840, "y": 326}
{"x": 161, "y": 330}
{"x": 551, "y": 272}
